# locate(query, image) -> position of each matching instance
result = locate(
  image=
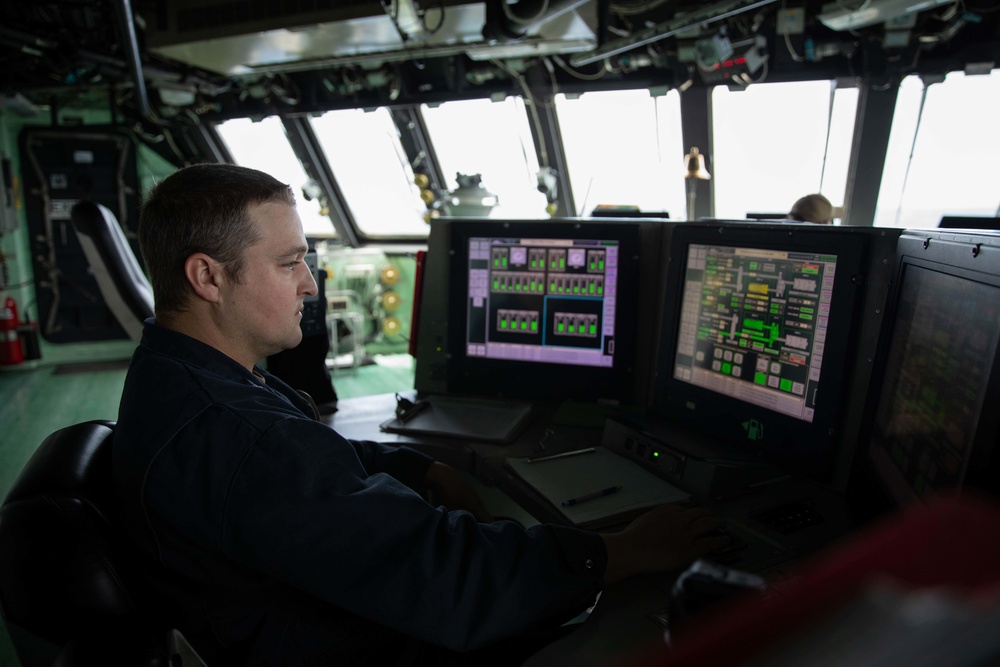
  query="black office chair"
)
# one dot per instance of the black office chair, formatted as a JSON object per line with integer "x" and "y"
{"x": 122, "y": 282}
{"x": 70, "y": 589}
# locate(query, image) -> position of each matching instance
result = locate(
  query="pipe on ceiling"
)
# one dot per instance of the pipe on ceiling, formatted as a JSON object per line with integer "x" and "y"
{"x": 512, "y": 21}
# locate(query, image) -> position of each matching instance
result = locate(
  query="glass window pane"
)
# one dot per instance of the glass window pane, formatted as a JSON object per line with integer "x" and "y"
{"x": 264, "y": 146}
{"x": 492, "y": 139}
{"x": 610, "y": 157}
{"x": 371, "y": 168}
{"x": 770, "y": 142}
{"x": 954, "y": 169}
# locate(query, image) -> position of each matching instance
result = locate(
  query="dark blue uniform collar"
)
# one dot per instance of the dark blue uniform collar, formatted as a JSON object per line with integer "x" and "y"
{"x": 186, "y": 349}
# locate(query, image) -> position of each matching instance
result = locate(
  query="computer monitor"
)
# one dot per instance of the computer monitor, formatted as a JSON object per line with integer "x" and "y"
{"x": 762, "y": 325}
{"x": 538, "y": 310}
{"x": 968, "y": 222}
{"x": 935, "y": 421}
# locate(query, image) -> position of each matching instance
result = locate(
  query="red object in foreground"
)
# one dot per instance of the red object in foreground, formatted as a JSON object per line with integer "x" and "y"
{"x": 950, "y": 544}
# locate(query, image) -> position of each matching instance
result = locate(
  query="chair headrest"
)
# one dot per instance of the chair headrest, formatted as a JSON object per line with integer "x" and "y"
{"x": 75, "y": 459}
{"x": 88, "y": 216}
{"x": 115, "y": 266}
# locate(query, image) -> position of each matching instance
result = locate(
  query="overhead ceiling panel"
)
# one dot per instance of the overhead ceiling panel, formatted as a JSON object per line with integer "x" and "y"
{"x": 241, "y": 42}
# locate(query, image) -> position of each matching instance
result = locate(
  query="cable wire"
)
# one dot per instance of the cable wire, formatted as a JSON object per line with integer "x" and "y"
{"x": 564, "y": 66}
{"x": 788, "y": 42}
{"x": 543, "y": 156}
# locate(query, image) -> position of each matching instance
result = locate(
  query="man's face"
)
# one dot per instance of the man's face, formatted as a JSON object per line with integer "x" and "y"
{"x": 263, "y": 314}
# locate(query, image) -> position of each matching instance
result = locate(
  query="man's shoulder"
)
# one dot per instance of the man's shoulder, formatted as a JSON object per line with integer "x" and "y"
{"x": 195, "y": 415}
{"x": 156, "y": 381}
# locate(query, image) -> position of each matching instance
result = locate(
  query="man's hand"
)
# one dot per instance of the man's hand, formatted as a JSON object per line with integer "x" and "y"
{"x": 666, "y": 538}
{"x": 446, "y": 486}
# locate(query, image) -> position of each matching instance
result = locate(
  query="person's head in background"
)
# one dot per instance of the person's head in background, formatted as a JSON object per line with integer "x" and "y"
{"x": 812, "y": 208}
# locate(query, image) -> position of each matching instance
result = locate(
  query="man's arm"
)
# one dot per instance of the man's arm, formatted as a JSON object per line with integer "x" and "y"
{"x": 664, "y": 539}
{"x": 404, "y": 463}
{"x": 438, "y": 482}
{"x": 446, "y": 486}
{"x": 303, "y": 510}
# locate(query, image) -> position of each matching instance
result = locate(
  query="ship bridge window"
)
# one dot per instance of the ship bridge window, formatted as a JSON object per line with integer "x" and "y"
{"x": 954, "y": 141}
{"x": 371, "y": 168}
{"x": 492, "y": 139}
{"x": 624, "y": 147}
{"x": 263, "y": 145}
{"x": 775, "y": 142}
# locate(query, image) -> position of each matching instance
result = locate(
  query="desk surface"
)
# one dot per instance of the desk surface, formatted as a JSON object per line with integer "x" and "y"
{"x": 359, "y": 419}
{"x": 625, "y": 620}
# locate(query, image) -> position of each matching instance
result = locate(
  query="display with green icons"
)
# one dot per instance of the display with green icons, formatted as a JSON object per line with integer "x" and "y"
{"x": 754, "y": 323}
{"x": 544, "y": 293}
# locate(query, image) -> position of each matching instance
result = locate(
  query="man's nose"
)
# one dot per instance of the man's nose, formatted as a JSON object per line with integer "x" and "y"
{"x": 309, "y": 285}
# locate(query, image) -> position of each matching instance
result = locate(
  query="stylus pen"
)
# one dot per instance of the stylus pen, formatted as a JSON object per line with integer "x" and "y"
{"x": 550, "y": 457}
{"x": 591, "y": 496}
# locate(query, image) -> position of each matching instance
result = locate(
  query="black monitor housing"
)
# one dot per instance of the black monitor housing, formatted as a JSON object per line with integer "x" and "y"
{"x": 769, "y": 336}
{"x": 540, "y": 310}
{"x": 934, "y": 420}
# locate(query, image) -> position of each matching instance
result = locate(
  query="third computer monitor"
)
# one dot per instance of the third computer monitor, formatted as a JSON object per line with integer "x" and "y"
{"x": 935, "y": 422}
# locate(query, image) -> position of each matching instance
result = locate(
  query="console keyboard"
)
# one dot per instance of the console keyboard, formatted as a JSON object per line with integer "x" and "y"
{"x": 790, "y": 517}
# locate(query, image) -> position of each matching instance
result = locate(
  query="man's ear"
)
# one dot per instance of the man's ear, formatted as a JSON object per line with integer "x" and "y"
{"x": 205, "y": 275}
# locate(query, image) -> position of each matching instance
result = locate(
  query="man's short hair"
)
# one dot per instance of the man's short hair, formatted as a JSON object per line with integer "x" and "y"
{"x": 201, "y": 208}
{"x": 812, "y": 208}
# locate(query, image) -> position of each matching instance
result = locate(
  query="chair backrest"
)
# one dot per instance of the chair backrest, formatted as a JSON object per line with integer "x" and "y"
{"x": 122, "y": 282}
{"x": 69, "y": 581}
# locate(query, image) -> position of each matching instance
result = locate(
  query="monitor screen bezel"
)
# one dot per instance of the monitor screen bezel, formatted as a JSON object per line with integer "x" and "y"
{"x": 951, "y": 256}
{"x": 539, "y": 380}
{"x": 794, "y": 445}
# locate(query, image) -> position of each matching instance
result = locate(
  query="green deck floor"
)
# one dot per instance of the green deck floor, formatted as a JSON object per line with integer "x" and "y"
{"x": 36, "y": 402}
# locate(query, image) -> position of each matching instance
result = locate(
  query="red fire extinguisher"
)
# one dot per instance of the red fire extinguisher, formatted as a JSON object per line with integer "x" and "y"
{"x": 11, "y": 352}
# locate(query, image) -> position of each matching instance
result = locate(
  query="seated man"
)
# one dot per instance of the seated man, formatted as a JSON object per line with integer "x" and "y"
{"x": 812, "y": 208}
{"x": 283, "y": 543}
